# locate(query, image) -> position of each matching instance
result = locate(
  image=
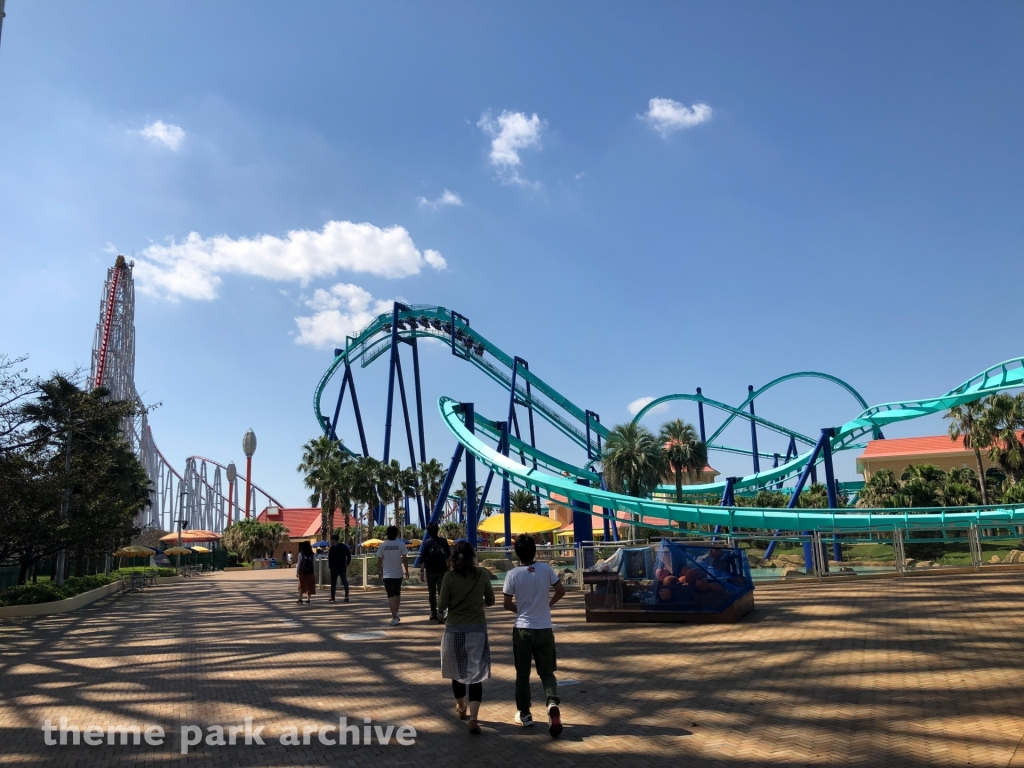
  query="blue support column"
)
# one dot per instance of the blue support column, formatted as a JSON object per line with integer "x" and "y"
{"x": 830, "y": 483}
{"x": 472, "y": 514}
{"x": 795, "y": 498}
{"x": 341, "y": 397}
{"x": 753, "y": 434}
{"x": 700, "y": 417}
{"x": 583, "y": 526}
{"x": 355, "y": 408}
{"x": 614, "y": 523}
{"x": 446, "y": 485}
{"x": 419, "y": 399}
{"x": 408, "y": 433}
{"x": 506, "y": 507}
{"x": 529, "y": 416}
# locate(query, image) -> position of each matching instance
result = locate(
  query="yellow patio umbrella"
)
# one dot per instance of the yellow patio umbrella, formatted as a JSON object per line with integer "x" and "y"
{"x": 134, "y": 550}
{"x": 178, "y": 551}
{"x": 372, "y": 543}
{"x": 522, "y": 522}
{"x": 415, "y": 542}
{"x": 199, "y": 548}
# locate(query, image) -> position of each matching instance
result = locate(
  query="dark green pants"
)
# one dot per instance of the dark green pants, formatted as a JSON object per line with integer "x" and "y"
{"x": 534, "y": 646}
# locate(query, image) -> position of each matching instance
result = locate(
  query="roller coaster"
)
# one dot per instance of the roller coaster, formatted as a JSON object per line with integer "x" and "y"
{"x": 196, "y": 497}
{"x": 496, "y": 443}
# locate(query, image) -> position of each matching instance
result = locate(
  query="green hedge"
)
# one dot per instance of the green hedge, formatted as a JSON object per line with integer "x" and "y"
{"x": 158, "y": 571}
{"x": 46, "y": 592}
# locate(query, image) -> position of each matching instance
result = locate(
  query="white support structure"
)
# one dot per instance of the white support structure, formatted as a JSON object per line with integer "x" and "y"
{"x": 113, "y": 367}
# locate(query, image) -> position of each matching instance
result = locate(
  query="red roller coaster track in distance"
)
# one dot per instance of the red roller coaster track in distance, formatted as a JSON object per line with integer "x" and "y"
{"x": 101, "y": 363}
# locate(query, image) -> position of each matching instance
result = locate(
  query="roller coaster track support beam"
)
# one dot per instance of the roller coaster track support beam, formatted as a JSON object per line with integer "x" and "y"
{"x": 830, "y": 487}
{"x": 469, "y": 419}
{"x": 419, "y": 399}
{"x": 518, "y": 361}
{"x": 700, "y": 417}
{"x": 502, "y": 427}
{"x": 408, "y": 434}
{"x": 611, "y": 530}
{"x": 506, "y": 505}
{"x": 795, "y": 498}
{"x": 753, "y": 431}
{"x": 597, "y": 420}
{"x": 348, "y": 382}
{"x": 583, "y": 527}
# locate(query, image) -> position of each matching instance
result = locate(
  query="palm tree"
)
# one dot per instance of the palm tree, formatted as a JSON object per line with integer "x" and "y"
{"x": 323, "y": 462}
{"x": 880, "y": 490}
{"x": 521, "y": 500}
{"x": 397, "y": 484}
{"x": 684, "y": 452}
{"x": 922, "y": 485}
{"x": 960, "y": 488}
{"x": 431, "y": 476}
{"x": 968, "y": 420}
{"x": 365, "y": 488}
{"x": 633, "y": 461}
{"x": 1003, "y": 420}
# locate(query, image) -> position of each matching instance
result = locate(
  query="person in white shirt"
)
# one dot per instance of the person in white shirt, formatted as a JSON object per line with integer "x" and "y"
{"x": 533, "y": 640}
{"x": 392, "y": 560}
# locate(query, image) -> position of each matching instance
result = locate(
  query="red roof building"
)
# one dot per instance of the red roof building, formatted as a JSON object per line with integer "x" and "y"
{"x": 897, "y": 453}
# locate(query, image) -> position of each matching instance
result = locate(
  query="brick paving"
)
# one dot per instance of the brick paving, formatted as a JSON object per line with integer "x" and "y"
{"x": 911, "y": 672}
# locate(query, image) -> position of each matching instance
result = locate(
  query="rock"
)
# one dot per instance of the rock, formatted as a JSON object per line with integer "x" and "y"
{"x": 994, "y": 559}
{"x": 846, "y": 569}
{"x": 501, "y": 565}
{"x": 1014, "y": 556}
{"x": 789, "y": 573}
{"x": 926, "y": 564}
{"x": 911, "y": 562}
{"x": 754, "y": 560}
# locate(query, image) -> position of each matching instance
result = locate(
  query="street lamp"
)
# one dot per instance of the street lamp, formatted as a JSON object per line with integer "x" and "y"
{"x": 181, "y": 521}
{"x": 232, "y": 474}
{"x": 248, "y": 448}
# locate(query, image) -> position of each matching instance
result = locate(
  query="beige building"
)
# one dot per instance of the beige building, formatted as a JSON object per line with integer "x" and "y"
{"x": 896, "y": 454}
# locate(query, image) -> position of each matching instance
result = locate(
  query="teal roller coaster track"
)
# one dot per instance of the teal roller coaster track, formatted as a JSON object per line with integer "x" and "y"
{"x": 581, "y": 483}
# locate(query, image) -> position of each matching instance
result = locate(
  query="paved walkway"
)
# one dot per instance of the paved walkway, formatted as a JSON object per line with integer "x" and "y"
{"x": 913, "y": 672}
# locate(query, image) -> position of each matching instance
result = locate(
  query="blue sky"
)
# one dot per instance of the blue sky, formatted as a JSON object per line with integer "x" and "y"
{"x": 822, "y": 187}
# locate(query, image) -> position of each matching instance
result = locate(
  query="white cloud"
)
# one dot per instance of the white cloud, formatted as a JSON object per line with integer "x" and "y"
{"x": 667, "y": 116}
{"x": 511, "y": 132}
{"x": 635, "y": 406}
{"x": 340, "y": 311}
{"x": 169, "y": 135}
{"x": 447, "y": 198}
{"x": 193, "y": 267}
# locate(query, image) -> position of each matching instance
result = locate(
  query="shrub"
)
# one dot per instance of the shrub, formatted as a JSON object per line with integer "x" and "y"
{"x": 47, "y": 592}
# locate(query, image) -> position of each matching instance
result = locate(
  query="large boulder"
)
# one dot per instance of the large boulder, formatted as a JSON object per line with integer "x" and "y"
{"x": 1014, "y": 556}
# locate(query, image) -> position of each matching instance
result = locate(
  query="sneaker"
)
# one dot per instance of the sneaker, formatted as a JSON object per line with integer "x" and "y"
{"x": 395, "y": 621}
{"x": 331, "y": 600}
{"x": 525, "y": 720}
{"x": 346, "y": 598}
{"x": 554, "y": 721}
{"x": 433, "y": 617}
{"x": 300, "y": 601}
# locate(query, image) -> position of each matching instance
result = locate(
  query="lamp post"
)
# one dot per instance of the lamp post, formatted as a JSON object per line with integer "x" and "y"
{"x": 232, "y": 474}
{"x": 181, "y": 521}
{"x": 248, "y": 448}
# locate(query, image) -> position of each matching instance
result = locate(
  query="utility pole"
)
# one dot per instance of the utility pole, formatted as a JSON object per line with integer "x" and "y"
{"x": 2, "y": 14}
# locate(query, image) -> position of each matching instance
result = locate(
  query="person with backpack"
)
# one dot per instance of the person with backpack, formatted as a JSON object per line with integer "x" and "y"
{"x": 526, "y": 592}
{"x": 305, "y": 571}
{"x": 465, "y": 650}
{"x": 338, "y": 559}
{"x": 433, "y": 562}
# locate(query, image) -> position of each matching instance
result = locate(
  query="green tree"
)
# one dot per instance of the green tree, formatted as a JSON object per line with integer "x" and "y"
{"x": 968, "y": 421}
{"x": 683, "y": 451}
{"x": 881, "y": 491}
{"x": 960, "y": 488}
{"x": 327, "y": 472}
{"x": 366, "y": 488}
{"x": 633, "y": 461}
{"x": 80, "y": 460}
{"x": 521, "y": 500}
{"x": 251, "y": 538}
{"x": 922, "y": 486}
{"x": 431, "y": 475}
{"x": 397, "y": 483}
{"x": 1004, "y": 419}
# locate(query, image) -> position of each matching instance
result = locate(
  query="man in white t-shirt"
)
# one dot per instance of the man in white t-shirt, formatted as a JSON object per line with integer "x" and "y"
{"x": 533, "y": 640}
{"x": 392, "y": 560}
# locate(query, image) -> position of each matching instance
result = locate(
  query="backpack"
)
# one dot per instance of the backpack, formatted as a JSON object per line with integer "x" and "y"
{"x": 436, "y": 561}
{"x": 307, "y": 564}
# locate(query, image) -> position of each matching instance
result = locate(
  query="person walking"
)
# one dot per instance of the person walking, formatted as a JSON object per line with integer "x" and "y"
{"x": 526, "y": 592}
{"x": 392, "y": 560}
{"x": 433, "y": 563}
{"x": 465, "y": 651}
{"x": 305, "y": 571}
{"x": 338, "y": 559}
